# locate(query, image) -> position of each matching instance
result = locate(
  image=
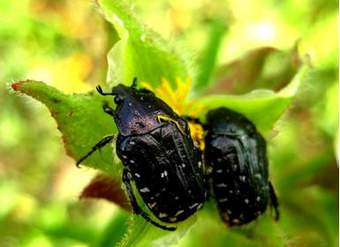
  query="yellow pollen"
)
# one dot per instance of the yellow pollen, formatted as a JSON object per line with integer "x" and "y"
{"x": 197, "y": 134}
{"x": 176, "y": 98}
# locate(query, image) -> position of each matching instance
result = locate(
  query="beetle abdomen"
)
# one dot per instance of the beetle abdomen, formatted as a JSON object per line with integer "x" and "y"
{"x": 236, "y": 155}
{"x": 240, "y": 197}
{"x": 165, "y": 166}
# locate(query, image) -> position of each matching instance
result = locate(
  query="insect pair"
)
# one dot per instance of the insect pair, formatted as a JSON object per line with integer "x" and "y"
{"x": 164, "y": 166}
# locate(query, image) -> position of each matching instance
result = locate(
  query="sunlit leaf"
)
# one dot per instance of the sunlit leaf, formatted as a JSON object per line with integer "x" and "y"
{"x": 115, "y": 230}
{"x": 142, "y": 234}
{"x": 140, "y": 52}
{"x": 79, "y": 118}
{"x": 263, "y": 107}
{"x": 313, "y": 226}
{"x": 208, "y": 59}
{"x": 264, "y": 67}
{"x": 8, "y": 195}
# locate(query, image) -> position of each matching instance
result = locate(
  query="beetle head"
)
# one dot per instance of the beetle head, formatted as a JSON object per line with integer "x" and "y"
{"x": 225, "y": 121}
{"x": 137, "y": 109}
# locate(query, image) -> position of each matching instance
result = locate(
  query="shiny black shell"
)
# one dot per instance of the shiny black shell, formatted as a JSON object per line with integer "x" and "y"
{"x": 236, "y": 155}
{"x": 159, "y": 155}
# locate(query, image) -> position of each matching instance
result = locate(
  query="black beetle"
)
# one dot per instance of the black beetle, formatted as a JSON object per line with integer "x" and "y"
{"x": 158, "y": 154}
{"x": 235, "y": 154}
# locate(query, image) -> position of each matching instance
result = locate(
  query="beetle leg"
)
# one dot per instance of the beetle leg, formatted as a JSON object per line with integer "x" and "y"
{"x": 134, "y": 82}
{"x": 108, "y": 109}
{"x": 99, "y": 145}
{"x": 100, "y": 91}
{"x": 274, "y": 201}
{"x": 136, "y": 209}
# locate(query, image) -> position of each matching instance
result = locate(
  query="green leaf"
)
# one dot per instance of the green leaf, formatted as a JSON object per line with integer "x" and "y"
{"x": 114, "y": 230}
{"x": 142, "y": 234}
{"x": 210, "y": 228}
{"x": 263, "y": 107}
{"x": 264, "y": 67}
{"x": 311, "y": 225}
{"x": 206, "y": 65}
{"x": 140, "y": 52}
{"x": 80, "y": 119}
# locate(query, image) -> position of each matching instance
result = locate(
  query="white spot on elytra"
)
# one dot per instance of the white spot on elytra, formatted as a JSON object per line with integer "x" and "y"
{"x": 152, "y": 205}
{"x": 231, "y": 191}
{"x": 236, "y": 221}
{"x": 222, "y": 199}
{"x": 219, "y": 171}
{"x": 141, "y": 98}
{"x": 130, "y": 104}
{"x": 258, "y": 198}
{"x": 183, "y": 165}
{"x": 164, "y": 174}
{"x": 229, "y": 211}
{"x": 144, "y": 190}
{"x": 246, "y": 200}
{"x": 149, "y": 106}
{"x": 193, "y": 205}
{"x": 132, "y": 161}
{"x": 199, "y": 163}
{"x": 137, "y": 175}
{"x": 234, "y": 167}
{"x": 132, "y": 143}
{"x": 179, "y": 212}
{"x": 162, "y": 215}
{"x": 243, "y": 178}
{"x": 124, "y": 157}
{"x": 176, "y": 198}
{"x": 222, "y": 185}
{"x": 173, "y": 219}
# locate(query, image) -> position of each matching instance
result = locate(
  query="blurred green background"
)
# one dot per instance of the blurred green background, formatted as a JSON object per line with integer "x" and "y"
{"x": 64, "y": 43}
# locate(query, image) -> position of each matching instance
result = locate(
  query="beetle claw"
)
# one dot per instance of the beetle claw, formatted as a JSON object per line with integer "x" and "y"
{"x": 134, "y": 82}
{"x": 99, "y": 89}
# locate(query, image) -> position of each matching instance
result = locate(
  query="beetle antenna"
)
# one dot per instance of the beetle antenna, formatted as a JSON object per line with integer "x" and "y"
{"x": 134, "y": 82}
{"x": 100, "y": 91}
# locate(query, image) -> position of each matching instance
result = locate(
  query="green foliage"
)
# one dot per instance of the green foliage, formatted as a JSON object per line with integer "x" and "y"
{"x": 263, "y": 107}
{"x": 140, "y": 52}
{"x": 302, "y": 155}
{"x": 79, "y": 119}
{"x": 207, "y": 61}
